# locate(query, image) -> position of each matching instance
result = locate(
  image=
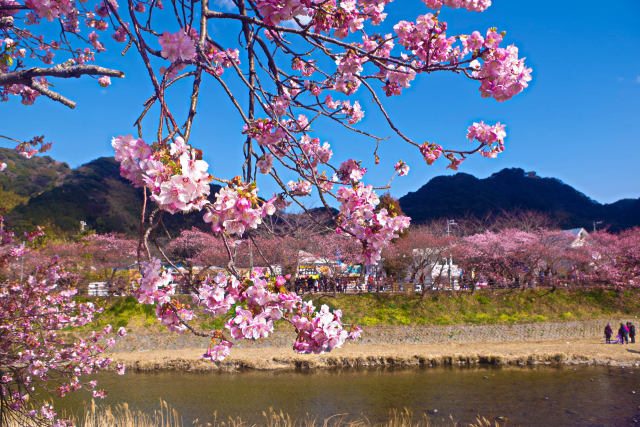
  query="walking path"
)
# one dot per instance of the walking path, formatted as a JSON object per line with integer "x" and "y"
{"x": 390, "y": 347}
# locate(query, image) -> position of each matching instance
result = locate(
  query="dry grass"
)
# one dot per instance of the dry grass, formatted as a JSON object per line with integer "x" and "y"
{"x": 122, "y": 416}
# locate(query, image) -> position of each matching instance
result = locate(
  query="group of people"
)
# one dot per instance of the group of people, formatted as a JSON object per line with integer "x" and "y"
{"x": 325, "y": 284}
{"x": 322, "y": 284}
{"x": 626, "y": 333}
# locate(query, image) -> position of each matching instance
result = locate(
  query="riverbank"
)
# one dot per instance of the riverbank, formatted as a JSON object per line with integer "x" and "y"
{"x": 562, "y": 343}
{"x": 438, "y": 308}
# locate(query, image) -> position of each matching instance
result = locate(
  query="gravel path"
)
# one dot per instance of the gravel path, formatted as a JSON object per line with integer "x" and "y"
{"x": 523, "y": 353}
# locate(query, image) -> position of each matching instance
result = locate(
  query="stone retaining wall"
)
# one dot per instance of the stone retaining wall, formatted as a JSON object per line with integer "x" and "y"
{"x": 140, "y": 341}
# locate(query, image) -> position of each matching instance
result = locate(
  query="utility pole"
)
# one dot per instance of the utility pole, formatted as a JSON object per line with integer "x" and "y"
{"x": 450, "y": 223}
{"x": 595, "y": 223}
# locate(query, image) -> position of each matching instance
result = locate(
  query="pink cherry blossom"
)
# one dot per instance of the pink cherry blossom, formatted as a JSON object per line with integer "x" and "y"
{"x": 177, "y": 46}
{"x": 299, "y": 188}
{"x": 351, "y": 172}
{"x": 472, "y": 5}
{"x": 104, "y": 81}
{"x": 265, "y": 163}
{"x": 401, "y": 168}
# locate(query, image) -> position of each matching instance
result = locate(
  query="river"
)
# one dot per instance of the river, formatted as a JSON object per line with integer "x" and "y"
{"x": 525, "y": 396}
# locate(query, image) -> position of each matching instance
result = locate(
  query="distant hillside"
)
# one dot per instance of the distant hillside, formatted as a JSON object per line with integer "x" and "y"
{"x": 97, "y": 194}
{"x": 26, "y": 178}
{"x": 47, "y": 192}
{"x": 464, "y": 195}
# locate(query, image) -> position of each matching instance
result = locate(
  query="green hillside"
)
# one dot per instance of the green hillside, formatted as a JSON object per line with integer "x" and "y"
{"x": 26, "y": 178}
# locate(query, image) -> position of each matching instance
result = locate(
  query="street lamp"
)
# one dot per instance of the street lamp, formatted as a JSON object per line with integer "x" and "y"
{"x": 595, "y": 223}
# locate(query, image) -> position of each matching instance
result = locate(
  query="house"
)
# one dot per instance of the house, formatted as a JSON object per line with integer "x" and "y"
{"x": 580, "y": 236}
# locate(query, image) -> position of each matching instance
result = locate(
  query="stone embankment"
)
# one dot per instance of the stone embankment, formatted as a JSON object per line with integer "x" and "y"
{"x": 566, "y": 343}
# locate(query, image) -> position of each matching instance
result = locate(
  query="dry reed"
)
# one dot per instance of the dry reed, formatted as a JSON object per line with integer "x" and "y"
{"x": 121, "y": 415}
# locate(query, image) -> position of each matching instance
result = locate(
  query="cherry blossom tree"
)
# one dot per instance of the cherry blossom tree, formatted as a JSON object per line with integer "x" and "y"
{"x": 110, "y": 253}
{"x": 515, "y": 258}
{"x": 299, "y": 63}
{"x": 417, "y": 254}
{"x": 614, "y": 258}
{"x": 34, "y": 354}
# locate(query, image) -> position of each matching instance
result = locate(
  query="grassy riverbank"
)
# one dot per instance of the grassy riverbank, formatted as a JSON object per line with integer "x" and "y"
{"x": 438, "y": 308}
{"x": 485, "y": 307}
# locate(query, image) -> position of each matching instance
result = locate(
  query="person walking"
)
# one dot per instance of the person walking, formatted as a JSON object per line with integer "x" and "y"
{"x": 623, "y": 332}
{"x": 632, "y": 332}
{"x": 608, "y": 332}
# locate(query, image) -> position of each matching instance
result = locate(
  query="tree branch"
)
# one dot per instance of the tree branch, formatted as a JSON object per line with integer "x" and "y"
{"x": 65, "y": 70}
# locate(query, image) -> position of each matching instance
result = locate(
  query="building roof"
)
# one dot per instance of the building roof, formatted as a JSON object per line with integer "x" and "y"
{"x": 576, "y": 231}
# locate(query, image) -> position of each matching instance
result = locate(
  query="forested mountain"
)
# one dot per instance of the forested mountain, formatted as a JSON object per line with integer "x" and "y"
{"x": 463, "y": 195}
{"x": 48, "y": 192}
{"x": 97, "y": 194}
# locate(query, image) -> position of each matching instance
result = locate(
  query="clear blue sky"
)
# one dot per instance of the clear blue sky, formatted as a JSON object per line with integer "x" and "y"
{"x": 578, "y": 121}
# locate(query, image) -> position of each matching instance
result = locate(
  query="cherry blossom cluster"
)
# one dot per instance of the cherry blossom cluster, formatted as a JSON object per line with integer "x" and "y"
{"x": 251, "y": 304}
{"x": 472, "y": 5}
{"x": 30, "y": 148}
{"x": 491, "y": 138}
{"x": 181, "y": 47}
{"x": 314, "y": 152}
{"x": 177, "y": 178}
{"x": 237, "y": 209}
{"x": 299, "y": 188}
{"x": 322, "y": 331}
{"x": 401, "y": 168}
{"x": 177, "y": 46}
{"x": 353, "y": 114}
{"x": 265, "y": 163}
{"x": 33, "y": 349}
{"x": 9, "y": 54}
{"x": 351, "y": 172}
{"x": 156, "y": 286}
{"x": 264, "y": 300}
{"x": 343, "y": 17}
{"x": 358, "y": 216}
{"x": 269, "y": 134}
{"x": 503, "y": 74}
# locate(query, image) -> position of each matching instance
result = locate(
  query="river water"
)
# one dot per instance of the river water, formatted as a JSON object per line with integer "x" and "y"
{"x": 525, "y": 396}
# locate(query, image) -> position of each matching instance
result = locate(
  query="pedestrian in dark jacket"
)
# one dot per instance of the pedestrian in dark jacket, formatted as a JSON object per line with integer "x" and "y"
{"x": 632, "y": 332}
{"x": 608, "y": 332}
{"x": 624, "y": 334}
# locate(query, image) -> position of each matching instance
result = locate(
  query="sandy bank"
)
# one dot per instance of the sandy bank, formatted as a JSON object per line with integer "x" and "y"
{"x": 549, "y": 352}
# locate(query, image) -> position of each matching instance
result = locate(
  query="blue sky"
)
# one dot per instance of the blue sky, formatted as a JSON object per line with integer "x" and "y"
{"x": 578, "y": 121}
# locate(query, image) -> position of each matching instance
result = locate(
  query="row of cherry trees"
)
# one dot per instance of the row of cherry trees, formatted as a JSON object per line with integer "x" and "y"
{"x": 517, "y": 258}
{"x": 505, "y": 258}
